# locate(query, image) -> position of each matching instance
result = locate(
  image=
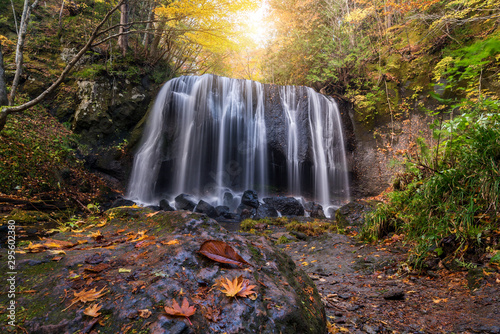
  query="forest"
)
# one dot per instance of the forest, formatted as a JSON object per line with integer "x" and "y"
{"x": 216, "y": 166}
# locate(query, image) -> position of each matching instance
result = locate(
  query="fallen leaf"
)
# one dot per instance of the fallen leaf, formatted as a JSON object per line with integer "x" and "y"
{"x": 170, "y": 243}
{"x": 92, "y": 311}
{"x": 221, "y": 252}
{"x": 231, "y": 288}
{"x": 152, "y": 214}
{"x": 57, "y": 252}
{"x": 144, "y": 313}
{"x": 86, "y": 296}
{"x": 98, "y": 268}
{"x": 238, "y": 287}
{"x": 102, "y": 223}
{"x": 49, "y": 244}
{"x": 96, "y": 235}
{"x": 124, "y": 270}
{"x": 246, "y": 290}
{"x": 437, "y": 300}
{"x": 181, "y": 311}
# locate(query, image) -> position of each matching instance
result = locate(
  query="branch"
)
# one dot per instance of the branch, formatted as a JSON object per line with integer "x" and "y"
{"x": 5, "y": 111}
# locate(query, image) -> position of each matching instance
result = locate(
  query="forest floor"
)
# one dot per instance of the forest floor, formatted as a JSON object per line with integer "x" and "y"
{"x": 367, "y": 289}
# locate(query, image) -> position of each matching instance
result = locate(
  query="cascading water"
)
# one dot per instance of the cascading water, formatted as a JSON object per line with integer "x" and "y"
{"x": 210, "y": 135}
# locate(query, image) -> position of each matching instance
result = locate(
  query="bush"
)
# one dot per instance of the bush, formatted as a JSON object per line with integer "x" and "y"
{"x": 455, "y": 189}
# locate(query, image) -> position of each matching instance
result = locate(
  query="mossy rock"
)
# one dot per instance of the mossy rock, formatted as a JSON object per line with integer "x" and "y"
{"x": 143, "y": 260}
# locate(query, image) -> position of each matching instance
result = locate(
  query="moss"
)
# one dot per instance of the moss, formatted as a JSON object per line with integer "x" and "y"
{"x": 256, "y": 254}
{"x": 23, "y": 216}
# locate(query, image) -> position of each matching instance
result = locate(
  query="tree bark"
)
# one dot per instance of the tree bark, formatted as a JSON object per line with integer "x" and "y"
{"x": 23, "y": 29}
{"x": 3, "y": 87}
{"x": 123, "y": 39}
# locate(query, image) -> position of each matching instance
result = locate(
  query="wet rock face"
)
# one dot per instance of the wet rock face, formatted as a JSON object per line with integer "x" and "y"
{"x": 157, "y": 269}
{"x": 109, "y": 107}
{"x": 250, "y": 198}
{"x": 185, "y": 202}
{"x": 287, "y": 206}
{"x": 206, "y": 208}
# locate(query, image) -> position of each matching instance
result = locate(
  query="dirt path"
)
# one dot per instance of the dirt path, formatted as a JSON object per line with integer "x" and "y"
{"x": 366, "y": 290}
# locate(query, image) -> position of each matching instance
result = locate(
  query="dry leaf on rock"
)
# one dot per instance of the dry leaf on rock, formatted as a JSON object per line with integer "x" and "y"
{"x": 92, "y": 311}
{"x": 170, "y": 243}
{"x": 181, "y": 311}
{"x": 238, "y": 287}
{"x": 86, "y": 296}
{"x": 152, "y": 214}
{"x": 221, "y": 252}
{"x": 144, "y": 313}
{"x": 49, "y": 244}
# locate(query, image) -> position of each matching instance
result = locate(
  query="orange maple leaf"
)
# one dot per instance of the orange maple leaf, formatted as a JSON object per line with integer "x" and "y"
{"x": 238, "y": 287}
{"x": 86, "y": 296}
{"x": 246, "y": 290}
{"x": 93, "y": 310}
{"x": 181, "y": 311}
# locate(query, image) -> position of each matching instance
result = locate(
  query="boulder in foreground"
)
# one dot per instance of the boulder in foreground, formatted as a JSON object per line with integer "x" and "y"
{"x": 139, "y": 261}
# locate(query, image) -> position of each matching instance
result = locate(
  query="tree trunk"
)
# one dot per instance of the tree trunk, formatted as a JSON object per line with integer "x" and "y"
{"x": 3, "y": 87}
{"x": 147, "y": 34}
{"x": 123, "y": 39}
{"x": 156, "y": 40}
{"x": 23, "y": 29}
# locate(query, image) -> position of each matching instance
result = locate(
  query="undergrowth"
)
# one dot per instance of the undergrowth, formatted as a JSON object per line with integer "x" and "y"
{"x": 38, "y": 160}
{"x": 453, "y": 189}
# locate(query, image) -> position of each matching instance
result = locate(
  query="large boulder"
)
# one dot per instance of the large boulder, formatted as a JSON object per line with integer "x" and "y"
{"x": 165, "y": 205}
{"x": 206, "y": 208}
{"x": 287, "y": 206}
{"x": 266, "y": 211}
{"x": 152, "y": 260}
{"x": 250, "y": 198}
{"x": 185, "y": 202}
{"x": 315, "y": 210}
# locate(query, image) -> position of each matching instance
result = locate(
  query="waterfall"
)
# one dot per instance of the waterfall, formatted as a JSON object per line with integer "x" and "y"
{"x": 209, "y": 135}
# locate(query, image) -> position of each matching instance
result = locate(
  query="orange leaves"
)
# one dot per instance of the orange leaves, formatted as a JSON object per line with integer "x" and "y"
{"x": 49, "y": 244}
{"x": 181, "y": 311}
{"x": 86, "y": 296}
{"x": 221, "y": 252}
{"x": 92, "y": 311}
{"x": 238, "y": 287}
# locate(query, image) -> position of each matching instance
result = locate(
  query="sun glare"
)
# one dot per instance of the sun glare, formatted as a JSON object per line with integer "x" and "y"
{"x": 256, "y": 25}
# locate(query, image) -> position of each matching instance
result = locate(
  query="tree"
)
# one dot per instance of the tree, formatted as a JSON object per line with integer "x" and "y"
{"x": 91, "y": 41}
{"x": 23, "y": 29}
{"x": 3, "y": 87}
{"x": 124, "y": 20}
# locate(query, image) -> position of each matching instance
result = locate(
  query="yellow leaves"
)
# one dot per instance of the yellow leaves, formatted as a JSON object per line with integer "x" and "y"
{"x": 49, "y": 244}
{"x": 95, "y": 235}
{"x": 92, "y": 311}
{"x": 4, "y": 41}
{"x": 359, "y": 14}
{"x": 441, "y": 67}
{"x": 238, "y": 287}
{"x": 171, "y": 242}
